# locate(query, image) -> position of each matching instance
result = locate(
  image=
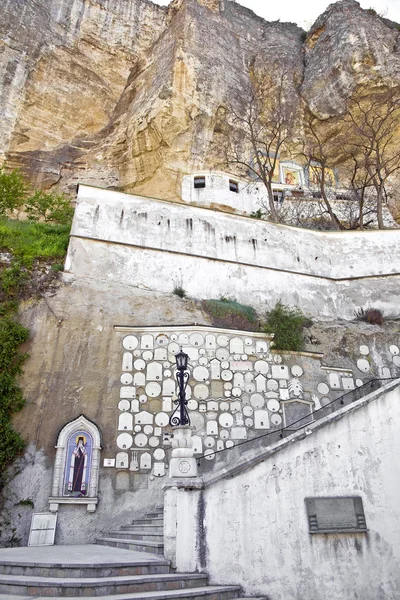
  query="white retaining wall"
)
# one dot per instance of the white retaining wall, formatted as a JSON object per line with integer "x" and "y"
{"x": 157, "y": 244}
{"x": 252, "y": 527}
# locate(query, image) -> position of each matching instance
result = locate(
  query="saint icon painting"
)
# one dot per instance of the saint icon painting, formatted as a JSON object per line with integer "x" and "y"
{"x": 78, "y": 463}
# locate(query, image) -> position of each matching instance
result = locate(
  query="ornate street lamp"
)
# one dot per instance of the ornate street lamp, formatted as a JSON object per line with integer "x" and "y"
{"x": 180, "y": 416}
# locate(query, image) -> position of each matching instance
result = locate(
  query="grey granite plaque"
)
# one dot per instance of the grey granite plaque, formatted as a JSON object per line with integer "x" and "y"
{"x": 336, "y": 515}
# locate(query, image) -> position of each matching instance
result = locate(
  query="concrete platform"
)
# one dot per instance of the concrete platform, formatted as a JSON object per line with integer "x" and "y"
{"x": 75, "y": 556}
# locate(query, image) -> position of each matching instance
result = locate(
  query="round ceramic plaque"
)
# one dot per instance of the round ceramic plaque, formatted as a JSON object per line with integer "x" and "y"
{"x": 203, "y": 361}
{"x": 154, "y": 441}
{"x": 153, "y": 389}
{"x": 276, "y": 420}
{"x": 363, "y": 365}
{"x": 148, "y": 429}
{"x": 226, "y": 375}
{"x": 147, "y": 355}
{"x": 247, "y": 411}
{"x": 394, "y": 349}
{"x": 162, "y": 339}
{"x": 261, "y": 366}
{"x": 209, "y": 442}
{"x": 249, "y": 422}
{"x": 229, "y": 444}
{"x": 236, "y": 392}
{"x": 273, "y": 405}
{"x": 196, "y": 339}
{"x": 173, "y": 348}
{"x": 197, "y": 421}
{"x": 222, "y": 340}
{"x": 161, "y": 419}
{"x": 139, "y": 364}
{"x": 223, "y": 434}
{"x": 130, "y": 342}
{"x": 137, "y": 428}
{"x": 126, "y": 378}
{"x": 201, "y": 391}
{"x": 272, "y": 385}
{"x": 224, "y": 406}
{"x": 142, "y": 398}
{"x": 225, "y": 420}
{"x": 222, "y": 354}
{"x": 140, "y": 440}
{"x": 209, "y": 454}
{"x": 193, "y": 404}
{"x": 124, "y": 405}
{"x": 323, "y": 388}
{"x": 257, "y": 400}
{"x": 248, "y": 342}
{"x": 124, "y": 441}
{"x": 297, "y": 371}
{"x": 201, "y": 374}
{"x": 364, "y": 350}
{"x": 159, "y": 454}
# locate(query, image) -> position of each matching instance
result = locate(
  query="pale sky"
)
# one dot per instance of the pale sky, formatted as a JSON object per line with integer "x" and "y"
{"x": 306, "y": 12}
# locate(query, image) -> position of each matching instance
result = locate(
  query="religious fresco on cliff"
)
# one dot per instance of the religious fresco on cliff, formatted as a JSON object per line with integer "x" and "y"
{"x": 315, "y": 174}
{"x": 291, "y": 176}
{"x": 78, "y": 464}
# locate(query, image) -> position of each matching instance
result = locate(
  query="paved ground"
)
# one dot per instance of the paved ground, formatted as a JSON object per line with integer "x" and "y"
{"x": 75, "y": 555}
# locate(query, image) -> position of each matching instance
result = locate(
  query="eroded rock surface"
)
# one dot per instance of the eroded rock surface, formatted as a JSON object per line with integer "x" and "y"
{"x": 127, "y": 93}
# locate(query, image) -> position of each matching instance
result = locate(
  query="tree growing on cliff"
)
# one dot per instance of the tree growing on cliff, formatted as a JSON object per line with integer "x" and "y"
{"x": 322, "y": 150}
{"x": 373, "y": 129}
{"x": 259, "y": 126}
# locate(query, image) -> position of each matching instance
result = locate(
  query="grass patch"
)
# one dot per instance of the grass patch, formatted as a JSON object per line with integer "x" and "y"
{"x": 287, "y": 324}
{"x": 29, "y": 241}
{"x": 227, "y": 313}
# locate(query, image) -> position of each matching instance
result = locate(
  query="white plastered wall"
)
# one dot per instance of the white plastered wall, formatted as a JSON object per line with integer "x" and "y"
{"x": 156, "y": 244}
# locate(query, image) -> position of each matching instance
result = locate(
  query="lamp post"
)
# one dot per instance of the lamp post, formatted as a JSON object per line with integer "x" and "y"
{"x": 182, "y": 463}
{"x": 180, "y": 415}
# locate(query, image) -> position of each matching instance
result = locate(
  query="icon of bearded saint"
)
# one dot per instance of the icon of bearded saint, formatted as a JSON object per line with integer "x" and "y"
{"x": 78, "y": 468}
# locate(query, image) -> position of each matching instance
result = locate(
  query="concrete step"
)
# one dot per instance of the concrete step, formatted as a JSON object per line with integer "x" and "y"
{"x": 222, "y": 592}
{"x": 137, "y": 535}
{"x": 150, "y": 528}
{"x": 159, "y": 514}
{"x": 132, "y": 544}
{"x": 65, "y": 587}
{"x": 149, "y": 521}
{"x": 203, "y": 593}
{"x": 113, "y": 569}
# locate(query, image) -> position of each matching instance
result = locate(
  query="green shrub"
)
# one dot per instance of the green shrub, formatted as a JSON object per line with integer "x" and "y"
{"x": 228, "y": 313}
{"x": 13, "y": 190}
{"x": 12, "y": 335}
{"x": 47, "y": 207}
{"x": 287, "y": 324}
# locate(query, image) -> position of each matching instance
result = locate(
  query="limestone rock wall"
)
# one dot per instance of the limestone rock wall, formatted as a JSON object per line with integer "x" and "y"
{"x": 127, "y": 93}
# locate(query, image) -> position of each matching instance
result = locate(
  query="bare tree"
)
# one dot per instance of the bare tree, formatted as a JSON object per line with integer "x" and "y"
{"x": 322, "y": 150}
{"x": 374, "y": 127}
{"x": 259, "y": 127}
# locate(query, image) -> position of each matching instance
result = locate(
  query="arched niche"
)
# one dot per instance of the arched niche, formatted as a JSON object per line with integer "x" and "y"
{"x": 76, "y": 467}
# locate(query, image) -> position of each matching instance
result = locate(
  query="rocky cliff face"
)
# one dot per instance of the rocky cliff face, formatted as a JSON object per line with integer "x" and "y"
{"x": 126, "y": 94}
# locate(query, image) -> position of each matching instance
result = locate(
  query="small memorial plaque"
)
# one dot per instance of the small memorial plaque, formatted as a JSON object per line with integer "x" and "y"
{"x": 109, "y": 462}
{"x": 336, "y": 515}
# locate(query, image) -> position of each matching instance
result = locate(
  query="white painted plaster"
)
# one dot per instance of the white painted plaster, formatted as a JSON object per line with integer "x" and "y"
{"x": 256, "y": 529}
{"x": 134, "y": 239}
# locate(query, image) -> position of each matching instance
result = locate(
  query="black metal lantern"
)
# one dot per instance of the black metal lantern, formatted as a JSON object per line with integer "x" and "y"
{"x": 180, "y": 415}
{"x": 181, "y": 360}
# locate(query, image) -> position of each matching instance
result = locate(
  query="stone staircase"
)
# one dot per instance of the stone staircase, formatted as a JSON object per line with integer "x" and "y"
{"x": 144, "y": 535}
{"x": 125, "y": 565}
